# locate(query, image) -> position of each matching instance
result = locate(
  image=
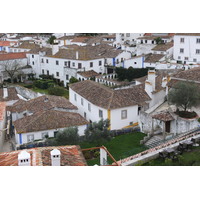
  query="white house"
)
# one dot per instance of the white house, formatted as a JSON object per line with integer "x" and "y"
{"x": 164, "y": 49}
{"x": 127, "y": 38}
{"x": 187, "y": 48}
{"x": 46, "y": 123}
{"x": 96, "y": 102}
{"x": 80, "y": 58}
{"x": 152, "y": 60}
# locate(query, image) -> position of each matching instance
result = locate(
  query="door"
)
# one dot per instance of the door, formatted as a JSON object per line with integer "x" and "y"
{"x": 167, "y": 127}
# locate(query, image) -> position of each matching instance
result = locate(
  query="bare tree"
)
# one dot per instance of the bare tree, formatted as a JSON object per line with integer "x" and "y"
{"x": 12, "y": 68}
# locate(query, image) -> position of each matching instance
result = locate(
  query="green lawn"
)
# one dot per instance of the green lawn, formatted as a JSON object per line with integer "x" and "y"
{"x": 186, "y": 159}
{"x": 120, "y": 147}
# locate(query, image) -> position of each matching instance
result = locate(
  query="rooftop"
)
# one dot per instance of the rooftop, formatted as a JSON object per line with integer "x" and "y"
{"x": 70, "y": 156}
{"x": 2, "y": 110}
{"x": 107, "y": 98}
{"x": 48, "y": 120}
{"x": 88, "y": 74}
{"x": 12, "y": 94}
{"x": 152, "y": 58}
{"x": 12, "y": 56}
{"x": 163, "y": 47}
{"x": 42, "y": 103}
{"x": 27, "y": 45}
{"x": 163, "y": 116}
{"x": 88, "y": 52}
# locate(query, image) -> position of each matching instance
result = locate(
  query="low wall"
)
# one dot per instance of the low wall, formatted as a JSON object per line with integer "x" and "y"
{"x": 153, "y": 153}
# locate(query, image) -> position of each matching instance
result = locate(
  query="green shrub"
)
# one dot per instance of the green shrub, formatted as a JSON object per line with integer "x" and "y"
{"x": 28, "y": 86}
{"x": 96, "y": 154}
{"x": 44, "y": 84}
{"x": 58, "y": 91}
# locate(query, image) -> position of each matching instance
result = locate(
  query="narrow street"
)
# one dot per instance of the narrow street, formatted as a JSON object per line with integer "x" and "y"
{"x": 6, "y": 145}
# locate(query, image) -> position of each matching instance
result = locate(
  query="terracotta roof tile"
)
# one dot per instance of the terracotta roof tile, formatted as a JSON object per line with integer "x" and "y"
{"x": 163, "y": 116}
{"x": 105, "y": 97}
{"x": 47, "y": 120}
{"x": 12, "y": 94}
{"x": 12, "y": 56}
{"x": 163, "y": 47}
{"x": 70, "y": 156}
{"x": 88, "y": 74}
{"x": 152, "y": 58}
{"x": 42, "y": 103}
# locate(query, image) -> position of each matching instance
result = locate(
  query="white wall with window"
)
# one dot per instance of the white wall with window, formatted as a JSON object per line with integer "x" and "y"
{"x": 187, "y": 48}
{"x": 123, "y": 117}
{"x": 40, "y": 135}
{"x": 92, "y": 112}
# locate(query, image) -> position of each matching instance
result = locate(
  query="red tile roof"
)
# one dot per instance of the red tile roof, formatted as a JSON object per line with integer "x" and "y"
{"x": 70, "y": 156}
{"x": 4, "y": 43}
{"x": 12, "y": 56}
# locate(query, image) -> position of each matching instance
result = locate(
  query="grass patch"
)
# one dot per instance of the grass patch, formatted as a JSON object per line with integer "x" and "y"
{"x": 120, "y": 147}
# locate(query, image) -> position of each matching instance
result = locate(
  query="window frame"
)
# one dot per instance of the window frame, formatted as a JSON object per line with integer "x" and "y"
{"x": 122, "y": 114}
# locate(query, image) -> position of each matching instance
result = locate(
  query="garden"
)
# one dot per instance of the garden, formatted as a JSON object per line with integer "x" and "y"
{"x": 47, "y": 84}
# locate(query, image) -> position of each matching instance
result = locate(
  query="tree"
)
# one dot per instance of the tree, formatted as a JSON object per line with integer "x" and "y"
{"x": 12, "y": 69}
{"x": 51, "y": 39}
{"x": 68, "y": 136}
{"x": 98, "y": 133}
{"x": 73, "y": 80}
{"x": 130, "y": 73}
{"x": 185, "y": 95}
{"x": 159, "y": 40}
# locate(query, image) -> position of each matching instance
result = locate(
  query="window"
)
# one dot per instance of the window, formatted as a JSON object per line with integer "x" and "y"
{"x": 47, "y": 61}
{"x": 57, "y": 62}
{"x": 55, "y": 133}
{"x": 195, "y": 60}
{"x": 186, "y": 58}
{"x": 135, "y": 63}
{"x": 182, "y": 40}
{"x": 181, "y": 50}
{"x": 79, "y": 65}
{"x": 82, "y": 103}
{"x": 198, "y": 40}
{"x": 179, "y": 57}
{"x": 30, "y": 138}
{"x": 145, "y": 41}
{"x": 57, "y": 73}
{"x": 117, "y": 61}
{"x": 42, "y": 60}
{"x": 75, "y": 97}
{"x": 122, "y": 59}
{"x": 45, "y": 135}
{"x": 73, "y": 64}
{"x": 89, "y": 107}
{"x": 124, "y": 114}
{"x": 197, "y": 51}
{"x": 33, "y": 63}
{"x": 128, "y": 35}
{"x": 139, "y": 108}
{"x": 67, "y": 77}
{"x": 100, "y": 63}
{"x": 47, "y": 72}
{"x": 85, "y": 115}
{"x": 65, "y": 63}
{"x": 91, "y": 64}
{"x": 32, "y": 56}
{"x": 133, "y": 40}
{"x": 100, "y": 113}
{"x": 43, "y": 71}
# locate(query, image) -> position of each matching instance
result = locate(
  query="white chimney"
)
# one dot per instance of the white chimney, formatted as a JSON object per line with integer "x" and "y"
{"x": 152, "y": 78}
{"x": 24, "y": 159}
{"x": 77, "y": 55}
{"x": 5, "y": 93}
{"x": 55, "y": 49}
{"x": 103, "y": 157}
{"x": 55, "y": 157}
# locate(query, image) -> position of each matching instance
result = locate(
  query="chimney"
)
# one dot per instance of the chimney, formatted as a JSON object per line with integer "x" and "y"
{"x": 77, "y": 55}
{"x": 55, "y": 49}
{"x": 24, "y": 159}
{"x": 46, "y": 99}
{"x": 103, "y": 157}
{"x": 55, "y": 157}
{"x": 5, "y": 93}
{"x": 152, "y": 78}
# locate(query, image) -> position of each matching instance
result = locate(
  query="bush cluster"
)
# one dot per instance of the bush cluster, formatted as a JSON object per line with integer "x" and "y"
{"x": 44, "y": 84}
{"x": 58, "y": 91}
